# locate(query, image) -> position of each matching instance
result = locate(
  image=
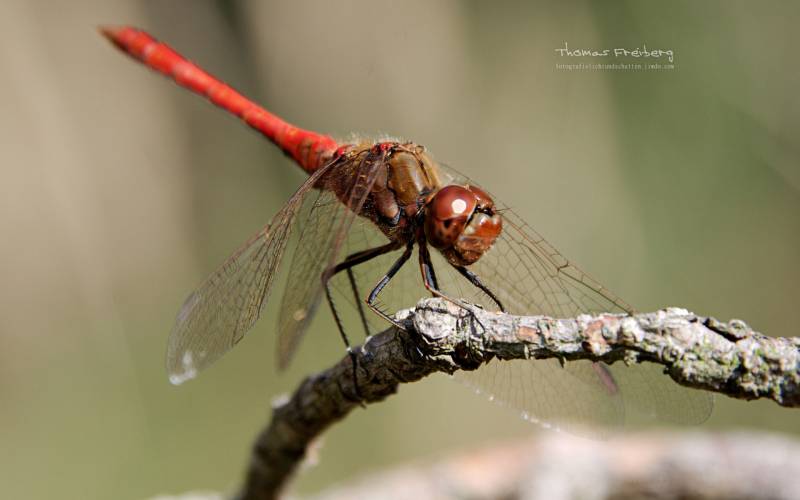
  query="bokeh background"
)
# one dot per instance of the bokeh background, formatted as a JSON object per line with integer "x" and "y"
{"x": 120, "y": 192}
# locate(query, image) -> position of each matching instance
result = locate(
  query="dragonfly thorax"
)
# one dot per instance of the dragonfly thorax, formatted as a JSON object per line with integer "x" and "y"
{"x": 410, "y": 175}
{"x": 408, "y": 200}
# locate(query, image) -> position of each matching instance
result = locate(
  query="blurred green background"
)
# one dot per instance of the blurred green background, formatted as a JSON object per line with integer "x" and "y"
{"x": 120, "y": 192}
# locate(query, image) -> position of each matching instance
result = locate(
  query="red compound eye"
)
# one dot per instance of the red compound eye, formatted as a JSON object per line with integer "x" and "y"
{"x": 482, "y": 197}
{"x": 447, "y": 214}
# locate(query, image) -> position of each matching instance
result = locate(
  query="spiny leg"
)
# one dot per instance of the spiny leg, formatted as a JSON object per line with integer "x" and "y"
{"x": 385, "y": 281}
{"x": 429, "y": 275}
{"x": 357, "y": 297}
{"x": 347, "y": 264}
{"x": 429, "y": 280}
{"x": 430, "y": 269}
{"x": 473, "y": 278}
{"x": 355, "y": 258}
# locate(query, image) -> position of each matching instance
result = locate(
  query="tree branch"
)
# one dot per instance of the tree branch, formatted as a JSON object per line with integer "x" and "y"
{"x": 660, "y": 465}
{"x": 728, "y": 358}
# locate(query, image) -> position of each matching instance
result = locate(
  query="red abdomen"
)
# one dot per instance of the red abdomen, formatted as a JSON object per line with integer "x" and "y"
{"x": 309, "y": 149}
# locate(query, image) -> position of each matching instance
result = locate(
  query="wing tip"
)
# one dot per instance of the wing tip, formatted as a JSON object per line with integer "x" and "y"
{"x": 181, "y": 370}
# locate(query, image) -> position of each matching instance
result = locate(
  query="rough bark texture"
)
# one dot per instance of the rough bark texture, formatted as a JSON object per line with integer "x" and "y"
{"x": 728, "y": 358}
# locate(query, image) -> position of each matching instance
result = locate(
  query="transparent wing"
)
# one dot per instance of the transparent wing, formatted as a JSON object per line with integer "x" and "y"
{"x": 531, "y": 277}
{"x": 569, "y": 398}
{"x": 325, "y": 225}
{"x": 403, "y": 291}
{"x": 217, "y": 315}
{"x": 647, "y": 389}
{"x": 574, "y": 399}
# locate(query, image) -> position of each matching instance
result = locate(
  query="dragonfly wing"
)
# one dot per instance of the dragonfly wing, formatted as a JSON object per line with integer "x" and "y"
{"x": 574, "y": 399}
{"x": 529, "y": 277}
{"x": 648, "y": 390}
{"x": 404, "y": 290}
{"x": 216, "y": 316}
{"x": 325, "y": 224}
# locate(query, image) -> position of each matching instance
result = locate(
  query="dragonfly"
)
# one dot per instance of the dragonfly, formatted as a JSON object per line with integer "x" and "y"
{"x": 356, "y": 221}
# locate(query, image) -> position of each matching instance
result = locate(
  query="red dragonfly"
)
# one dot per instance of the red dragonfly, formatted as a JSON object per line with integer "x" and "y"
{"x": 360, "y": 214}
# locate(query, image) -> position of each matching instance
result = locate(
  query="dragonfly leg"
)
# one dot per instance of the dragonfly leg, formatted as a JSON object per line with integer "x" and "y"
{"x": 373, "y": 295}
{"x": 429, "y": 275}
{"x": 473, "y": 278}
{"x": 357, "y": 297}
{"x": 429, "y": 280}
{"x": 346, "y": 265}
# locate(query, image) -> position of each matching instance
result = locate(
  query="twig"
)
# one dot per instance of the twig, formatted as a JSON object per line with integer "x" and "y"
{"x": 729, "y": 358}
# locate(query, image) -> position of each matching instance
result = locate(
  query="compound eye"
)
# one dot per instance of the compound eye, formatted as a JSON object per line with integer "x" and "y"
{"x": 452, "y": 202}
{"x": 447, "y": 214}
{"x": 484, "y": 201}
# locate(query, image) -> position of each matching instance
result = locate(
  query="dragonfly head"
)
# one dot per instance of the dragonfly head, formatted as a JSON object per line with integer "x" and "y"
{"x": 462, "y": 223}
